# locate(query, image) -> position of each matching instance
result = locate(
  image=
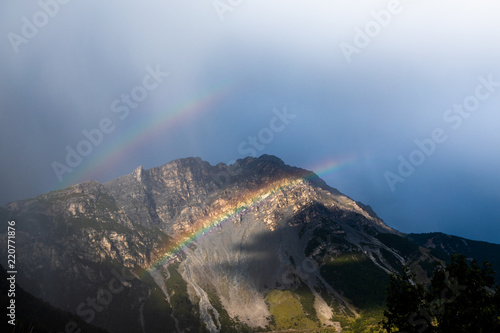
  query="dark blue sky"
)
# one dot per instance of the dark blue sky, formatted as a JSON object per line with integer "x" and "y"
{"x": 395, "y": 103}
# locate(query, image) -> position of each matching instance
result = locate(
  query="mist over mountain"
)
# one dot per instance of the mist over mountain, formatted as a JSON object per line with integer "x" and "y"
{"x": 192, "y": 247}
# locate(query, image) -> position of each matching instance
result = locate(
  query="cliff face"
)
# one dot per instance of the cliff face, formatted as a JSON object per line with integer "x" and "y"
{"x": 218, "y": 248}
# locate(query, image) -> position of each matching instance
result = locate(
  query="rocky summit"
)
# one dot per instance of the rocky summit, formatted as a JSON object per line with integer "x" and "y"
{"x": 190, "y": 247}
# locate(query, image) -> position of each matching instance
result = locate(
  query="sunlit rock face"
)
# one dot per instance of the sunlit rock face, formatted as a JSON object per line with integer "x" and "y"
{"x": 255, "y": 245}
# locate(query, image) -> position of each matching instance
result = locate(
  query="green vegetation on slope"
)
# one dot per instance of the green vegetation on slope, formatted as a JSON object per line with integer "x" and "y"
{"x": 228, "y": 324}
{"x": 368, "y": 322}
{"x": 157, "y": 312}
{"x": 287, "y": 311}
{"x": 358, "y": 277}
{"x": 306, "y": 298}
{"x": 403, "y": 246}
{"x": 185, "y": 311}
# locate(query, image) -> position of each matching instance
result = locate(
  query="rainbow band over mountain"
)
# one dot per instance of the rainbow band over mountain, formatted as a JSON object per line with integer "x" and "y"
{"x": 255, "y": 199}
{"x": 145, "y": 130}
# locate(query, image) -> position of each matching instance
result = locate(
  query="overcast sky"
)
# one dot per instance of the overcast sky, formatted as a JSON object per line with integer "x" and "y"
{"x": 400, "y": 98}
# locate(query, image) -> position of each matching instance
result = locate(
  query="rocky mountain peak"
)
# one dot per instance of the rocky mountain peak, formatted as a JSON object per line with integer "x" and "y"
{"x": 221, "y": 237}
{"x": 138, "y": 173}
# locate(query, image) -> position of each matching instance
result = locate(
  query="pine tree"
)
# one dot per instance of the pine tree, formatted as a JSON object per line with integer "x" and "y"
{"x": 461, "y": 297}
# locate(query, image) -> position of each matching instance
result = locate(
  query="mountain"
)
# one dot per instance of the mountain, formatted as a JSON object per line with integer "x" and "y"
{"x": 443, "y": 246}
{"x": 191, "y": 247}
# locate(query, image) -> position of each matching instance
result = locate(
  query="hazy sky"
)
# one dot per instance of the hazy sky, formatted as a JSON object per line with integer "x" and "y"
{"x": 395, "y": 103}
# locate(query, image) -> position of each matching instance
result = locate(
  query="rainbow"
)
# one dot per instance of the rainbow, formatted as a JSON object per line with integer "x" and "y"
{"x": 254, "y": 199}
{"x": 330, "y": 166}
{"x": 147, "y": 128}
{"x": 143, "y": 132}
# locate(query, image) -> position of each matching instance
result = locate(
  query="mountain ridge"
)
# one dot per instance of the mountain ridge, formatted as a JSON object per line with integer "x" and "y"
{"x": 255, "y": 245}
